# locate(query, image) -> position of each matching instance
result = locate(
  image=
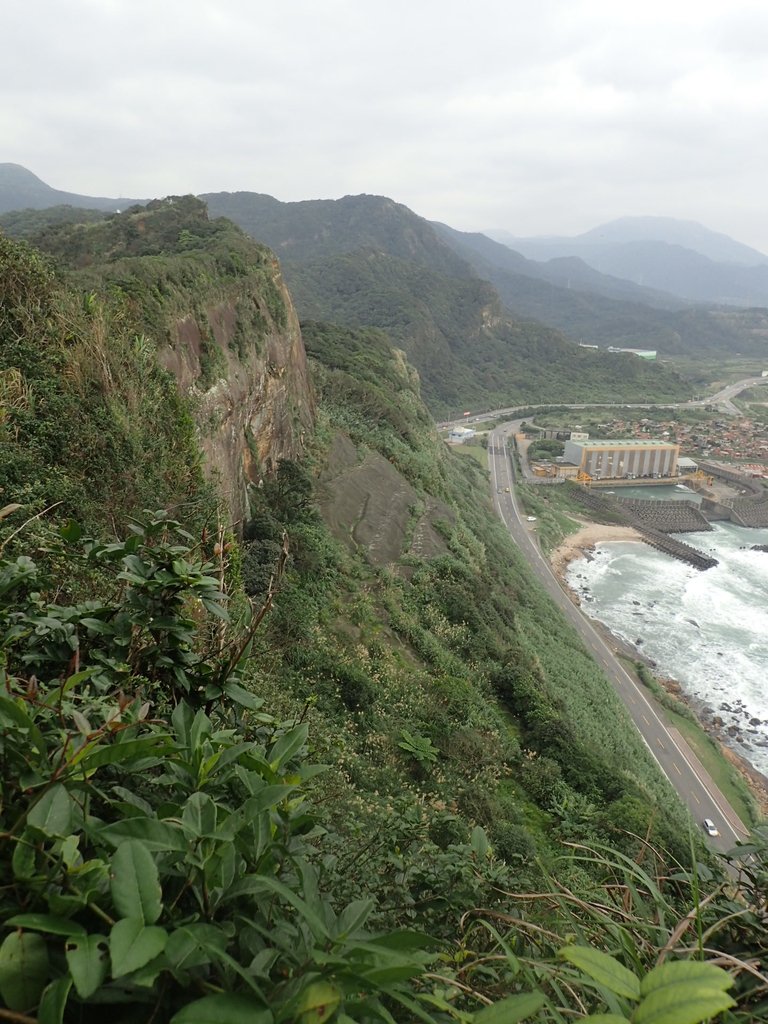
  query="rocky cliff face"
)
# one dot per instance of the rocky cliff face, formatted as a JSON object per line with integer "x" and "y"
{"x": 211, "y": 303}
{"x": 156, "y": 290}
{"x": 258, "y": 406}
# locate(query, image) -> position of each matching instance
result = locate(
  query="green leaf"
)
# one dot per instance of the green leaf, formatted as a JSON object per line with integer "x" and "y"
{"x": 135, "y": 884}
{"x": 353, "y": 917}
{"x": 675, "y": 971}
{"x": 132, "y": 944}
{"x": 479, "y": 842}
{"x": 318, "y": 1002}
{"x": 511, "y": 1009}
{"x": 154, "y": 835}
{"x": 406, "y": 940}
{"x": 685, "y": 1002}
{"x": 385, "y": 976}
{"x": 194, "y": 945}
{"x": 23, "y": 969}
{"x": 71, "y": 531}
{"x": 603, "y": 969}
{"x": 287, "y": 746}
{"x": 87, "y": 959}
{"x": 199, "y": 815}
{"x": 256, "y": 885}
{"x": 48, "y": 923}
{"x": 97, "y": 626}
{"x": 11, "y": 710}
{"x": 607, "y": 1018}
{"x": 54, "y": 1002}
{"x": 23, "y": 859}
{"x": 223, "y": 1009}
{"x": 215, "y": 609}
{"x": 92, "y": 757}
{"x": 54, "y": 812}
{"x": 243, "y": 697}
{"x": 268, "y": 797}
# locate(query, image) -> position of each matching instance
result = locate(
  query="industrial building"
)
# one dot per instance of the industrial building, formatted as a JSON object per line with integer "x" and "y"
{"x": 629, "y": 460}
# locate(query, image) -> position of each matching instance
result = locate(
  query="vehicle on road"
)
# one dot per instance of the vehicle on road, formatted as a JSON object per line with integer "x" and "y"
{"x": 531, "y": 519}
{"x": 710, "y": 827}
{"x": 506, "y": 489}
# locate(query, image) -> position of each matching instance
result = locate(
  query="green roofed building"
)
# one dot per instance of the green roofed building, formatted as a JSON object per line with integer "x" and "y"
{"x": 623, "y": 460}
{"x": 641, "y": 353}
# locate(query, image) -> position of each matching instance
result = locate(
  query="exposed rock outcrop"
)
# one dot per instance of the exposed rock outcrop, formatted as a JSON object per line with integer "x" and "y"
{"x": 259, "y": 405}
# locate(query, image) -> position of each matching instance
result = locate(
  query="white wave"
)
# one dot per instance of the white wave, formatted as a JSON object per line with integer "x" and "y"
{"x": 706, "y": 629}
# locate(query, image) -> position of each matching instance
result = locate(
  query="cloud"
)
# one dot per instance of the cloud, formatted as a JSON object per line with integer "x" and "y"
{"x": 539, "y": 119}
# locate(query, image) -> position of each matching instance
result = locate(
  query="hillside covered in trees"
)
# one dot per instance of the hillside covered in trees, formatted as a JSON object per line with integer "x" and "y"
{"x": 288, "y": 730}
{"x": 368, "y": 261}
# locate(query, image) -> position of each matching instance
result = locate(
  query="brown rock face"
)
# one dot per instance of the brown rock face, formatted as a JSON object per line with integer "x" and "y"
{"x": 242, "y": 363}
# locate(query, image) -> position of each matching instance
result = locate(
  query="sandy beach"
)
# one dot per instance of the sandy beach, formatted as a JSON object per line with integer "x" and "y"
{"x": 576, "y": 544}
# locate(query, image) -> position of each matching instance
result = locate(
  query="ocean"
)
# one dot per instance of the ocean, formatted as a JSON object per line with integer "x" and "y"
{"x": 708, "y": 630}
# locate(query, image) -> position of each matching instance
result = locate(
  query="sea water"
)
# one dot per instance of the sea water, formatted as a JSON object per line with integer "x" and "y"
{"x": 708, "y": 630}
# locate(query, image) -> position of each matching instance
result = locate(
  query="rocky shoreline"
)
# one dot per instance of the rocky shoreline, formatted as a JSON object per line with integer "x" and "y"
{"x": 581, "y": 544}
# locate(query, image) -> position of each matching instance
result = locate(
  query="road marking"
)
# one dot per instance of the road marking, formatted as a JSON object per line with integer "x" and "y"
{"x": 658, "y": 740}
{"x": 646, "y": 720}
{"x": 696, "y": 798}
{"x": 676, "y": 768}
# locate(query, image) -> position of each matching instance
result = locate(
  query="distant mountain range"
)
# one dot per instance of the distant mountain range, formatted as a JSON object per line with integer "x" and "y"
{"x": 20, "y": 189}
{"x": 675, "y": 256}
{"x": 367, "y": 260}
{"x": 688, "y": 234}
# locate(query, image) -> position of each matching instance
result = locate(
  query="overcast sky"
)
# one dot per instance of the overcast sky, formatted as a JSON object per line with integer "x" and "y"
{"x": 538, "y": 117}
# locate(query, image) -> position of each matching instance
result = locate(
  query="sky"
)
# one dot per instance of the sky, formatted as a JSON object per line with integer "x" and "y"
{"x": 537, "y": 117}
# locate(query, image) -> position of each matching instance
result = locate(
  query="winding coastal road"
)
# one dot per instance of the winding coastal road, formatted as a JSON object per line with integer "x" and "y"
{"x": 674, "y": 756}
{"x": 723, "y": 399}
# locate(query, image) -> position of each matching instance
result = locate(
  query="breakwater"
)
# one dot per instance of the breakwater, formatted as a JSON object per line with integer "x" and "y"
{"x": 653, "y": 526}
{"x": 745, "y": 510}
{"x": 667, "y": 516}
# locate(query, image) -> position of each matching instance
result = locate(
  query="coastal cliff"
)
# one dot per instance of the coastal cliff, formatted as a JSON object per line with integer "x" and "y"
{"x": 178, "y": 337}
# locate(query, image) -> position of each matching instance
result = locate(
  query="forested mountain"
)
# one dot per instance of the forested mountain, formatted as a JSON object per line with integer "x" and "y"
{"x": 568, "y": 272}
{"x": 563, "y": 293}
{"x": 680, "y": 257}
{"x": 307, "y": 742}
{"x": 367, "y": 261}
{"x": 20, "y": 189}
{"x": 593, "y": 316}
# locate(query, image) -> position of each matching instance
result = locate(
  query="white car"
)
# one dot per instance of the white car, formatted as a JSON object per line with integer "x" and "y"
{"x": 710, "y": 827}
{"x": 531, "y": 519}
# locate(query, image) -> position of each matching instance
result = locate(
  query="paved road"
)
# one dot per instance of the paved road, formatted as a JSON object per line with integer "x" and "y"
{"x": 722, "y": 398}
{"x": 674, "y": 756}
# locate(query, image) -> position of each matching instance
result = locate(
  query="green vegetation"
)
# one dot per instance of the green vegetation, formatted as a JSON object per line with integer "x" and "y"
{"x": 545, "y": 448}
{"x": 28, "y": 224}
{"x": 607, "y": 311}
{"x": 61, "y": 354}
{"x": 366, "y": 261}
{"x": 557, "y": 502}
{"x": 489, "y": 838}
{"x": 165, "y": 862}
{"x": 475, "y": 451}
{"x": 156, "y": 845}
{"x": 726, "y": 776}
{"x": 552, "y": 525}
